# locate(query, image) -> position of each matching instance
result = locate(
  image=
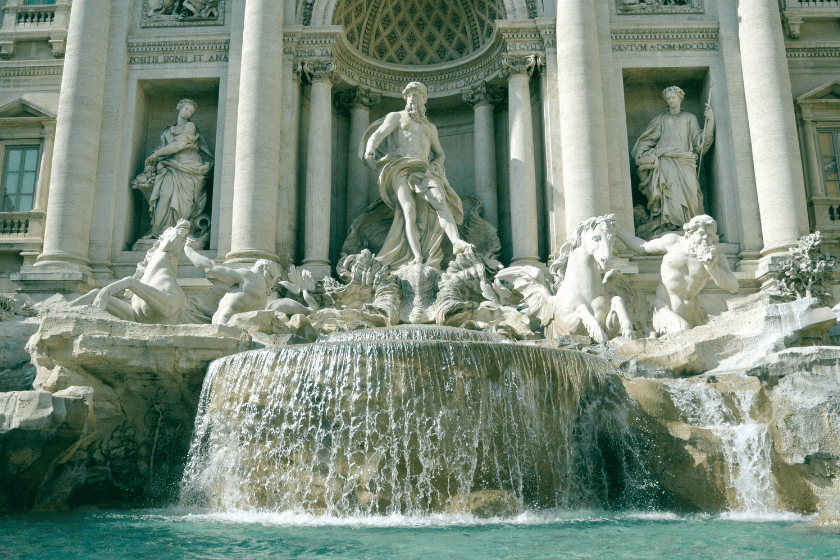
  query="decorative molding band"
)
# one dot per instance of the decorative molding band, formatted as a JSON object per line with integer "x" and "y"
{"x": 547, "y": 28}
{"x": 511, "y": 37}
{"x": 145, "y": 46}
{"x": 812, "y": 50}
{"x": 54, "y": 69}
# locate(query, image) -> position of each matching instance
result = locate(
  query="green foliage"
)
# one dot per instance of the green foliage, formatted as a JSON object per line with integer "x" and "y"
{"x": 807, "y": 273}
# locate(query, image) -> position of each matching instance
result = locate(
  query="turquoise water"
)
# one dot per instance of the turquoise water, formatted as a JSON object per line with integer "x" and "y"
{"x": 177, "y": 533}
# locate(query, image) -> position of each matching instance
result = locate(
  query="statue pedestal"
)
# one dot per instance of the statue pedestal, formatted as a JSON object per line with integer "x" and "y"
{"x": 418, "y": 284}
{"x": 143, "y": 244}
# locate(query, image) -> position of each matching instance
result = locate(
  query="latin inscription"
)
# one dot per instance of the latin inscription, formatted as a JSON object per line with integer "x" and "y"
{"x": 397, "y": 87}
{"x": 178, "y": 58}
{"x": 653, "y": 47}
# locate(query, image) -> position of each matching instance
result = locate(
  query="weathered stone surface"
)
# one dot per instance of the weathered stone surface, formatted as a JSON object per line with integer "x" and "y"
{"x": 141, "y": 384}
{"x": 35, "y": 428}
{"x": 14, "y": 333}
{"x": 123, "y": 361}
{"x": 18, "y": 378}
{"x": 754, "y": 327}
{"x": 486, "y": 503}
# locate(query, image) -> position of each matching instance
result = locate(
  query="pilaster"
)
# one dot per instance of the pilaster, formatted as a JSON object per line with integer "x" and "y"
{"x": 584, "y": 140}
{"x": 776, "y": 156}
{"x": 358, "y": 101}
{"x": 259, "y": 125}
{"x": 321, "y": 73}
{"x": 483, "y": 97}
{"x": 517, "y": 69}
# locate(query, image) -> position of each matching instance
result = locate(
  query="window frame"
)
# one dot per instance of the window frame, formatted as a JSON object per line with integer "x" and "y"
{"x": 5, "y": 143}
{"x": 834, "y": 131}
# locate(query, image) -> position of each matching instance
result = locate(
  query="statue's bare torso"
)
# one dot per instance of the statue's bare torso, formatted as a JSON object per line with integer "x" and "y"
{"x": 412, "y": 138}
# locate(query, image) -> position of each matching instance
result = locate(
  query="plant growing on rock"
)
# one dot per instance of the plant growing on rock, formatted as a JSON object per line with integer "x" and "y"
{"x": 807, "y": 273}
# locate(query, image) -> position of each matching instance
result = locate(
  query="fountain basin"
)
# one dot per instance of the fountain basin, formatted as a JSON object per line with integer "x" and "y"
{"x": 408, "y": 420}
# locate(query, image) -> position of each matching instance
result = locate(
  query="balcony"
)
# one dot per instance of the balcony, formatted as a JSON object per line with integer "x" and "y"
{"x": 34, "y": 20}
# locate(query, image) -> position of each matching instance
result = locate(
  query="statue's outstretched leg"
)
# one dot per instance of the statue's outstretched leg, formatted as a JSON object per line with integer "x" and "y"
{"x": 591, "y": 324}
{"x": 116, "y": 307}
{"x": 405, "y": 196}
{"x": 447, "y": 220}
{"x": 618, "y": 320}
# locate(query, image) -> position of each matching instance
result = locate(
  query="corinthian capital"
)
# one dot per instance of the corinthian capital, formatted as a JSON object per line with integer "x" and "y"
{"x": 518, "y": 64}
{"x": 321, "y": 70}
{"x": 357, "y": 97}
{"x": 483, "y": 94}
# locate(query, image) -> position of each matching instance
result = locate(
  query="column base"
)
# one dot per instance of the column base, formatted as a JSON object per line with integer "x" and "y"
{"x": 249, "y": 256}
{"x": 317, "y": 268}
{"x": 42, "y": 281}
{"x": 528, "y": 261}
{"x": 767, "y": 265}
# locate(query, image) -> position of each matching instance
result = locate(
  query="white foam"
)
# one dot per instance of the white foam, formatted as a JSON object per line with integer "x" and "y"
{"x": 766, "y": 517}
{"x": 654, "y": 516}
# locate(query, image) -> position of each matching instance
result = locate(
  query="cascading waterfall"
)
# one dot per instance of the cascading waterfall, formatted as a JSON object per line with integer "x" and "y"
{"x": 745, "y": 442}
{"x": 409, "y": 420}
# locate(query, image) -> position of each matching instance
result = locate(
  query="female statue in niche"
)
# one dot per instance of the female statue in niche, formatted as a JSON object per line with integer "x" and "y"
{"x": 667, "y": 155}
{"x": 175, "y": 175}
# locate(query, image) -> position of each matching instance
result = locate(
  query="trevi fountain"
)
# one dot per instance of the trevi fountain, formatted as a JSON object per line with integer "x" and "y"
{"x": 419, "y": 279}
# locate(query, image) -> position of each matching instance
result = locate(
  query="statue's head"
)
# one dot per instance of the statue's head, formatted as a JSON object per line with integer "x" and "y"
{"x": 186, "y": 108}
{"x": 702, "y": 225}
{"x": 268, "y": 270}
{"x": 673, "y": 96}
{"x": 173, "y": 239}
{"x": 700, "y": 236}
{"x": 415, "y": 95}
{"x": 596, "y": 236}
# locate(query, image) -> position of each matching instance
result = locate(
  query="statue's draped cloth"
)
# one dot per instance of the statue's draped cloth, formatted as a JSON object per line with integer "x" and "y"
{"x": 179, "y": 191}
{"x": 420, "y": 176}
{"x": 667, "y": 156}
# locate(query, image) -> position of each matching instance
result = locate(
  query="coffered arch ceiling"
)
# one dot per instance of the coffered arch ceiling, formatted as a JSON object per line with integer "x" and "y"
{"x": 417, "y": 32}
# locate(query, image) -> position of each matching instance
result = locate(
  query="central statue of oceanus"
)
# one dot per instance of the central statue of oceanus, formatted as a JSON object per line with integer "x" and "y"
{"x": 414, "y": 184}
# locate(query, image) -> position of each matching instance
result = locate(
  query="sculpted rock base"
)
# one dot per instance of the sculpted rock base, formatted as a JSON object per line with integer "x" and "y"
{"x": 111, "y": 415}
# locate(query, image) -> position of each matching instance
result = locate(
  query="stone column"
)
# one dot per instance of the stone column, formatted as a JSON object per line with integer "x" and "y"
{"x": 76, "y": 148}
{"x": 778, "y": 167}
{"x": 583, "y": 136}
{"x": 259, "y": 125}
{"x": 517, "y": 68}
{"x": 813, "y": 157}
{"x": 483, "y": 97}
{"x": 321, "y": 73}
{"x": 44, "y": 172}
{"x": 359, "y": 102}
{"x": 287, "y": 199}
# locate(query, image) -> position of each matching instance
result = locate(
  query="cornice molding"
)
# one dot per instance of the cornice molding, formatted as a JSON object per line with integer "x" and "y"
{"x": 31, "y": 70}
{"x": 161, "y": 45}
{"x": 705, "y": 31}
{"x": 512, "y": 37}
{"x": 812, "y": 50}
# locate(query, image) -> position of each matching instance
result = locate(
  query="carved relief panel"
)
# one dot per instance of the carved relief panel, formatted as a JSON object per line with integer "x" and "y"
{"x": 635, "y": 7}
{"x": 176, "y": 13}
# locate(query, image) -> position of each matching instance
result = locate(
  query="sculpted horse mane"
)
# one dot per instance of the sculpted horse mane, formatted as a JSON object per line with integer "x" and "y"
{"x": 558, "y": 267}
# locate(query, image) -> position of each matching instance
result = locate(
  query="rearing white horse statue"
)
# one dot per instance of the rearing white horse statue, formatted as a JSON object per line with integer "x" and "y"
{"x": 156, "y": 295}
{"x": 584, "y": 302}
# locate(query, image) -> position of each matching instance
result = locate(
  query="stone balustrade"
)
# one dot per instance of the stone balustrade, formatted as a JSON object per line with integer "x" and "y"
{"x": 797, "y": 12}
{"x": 24, "y": 20}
